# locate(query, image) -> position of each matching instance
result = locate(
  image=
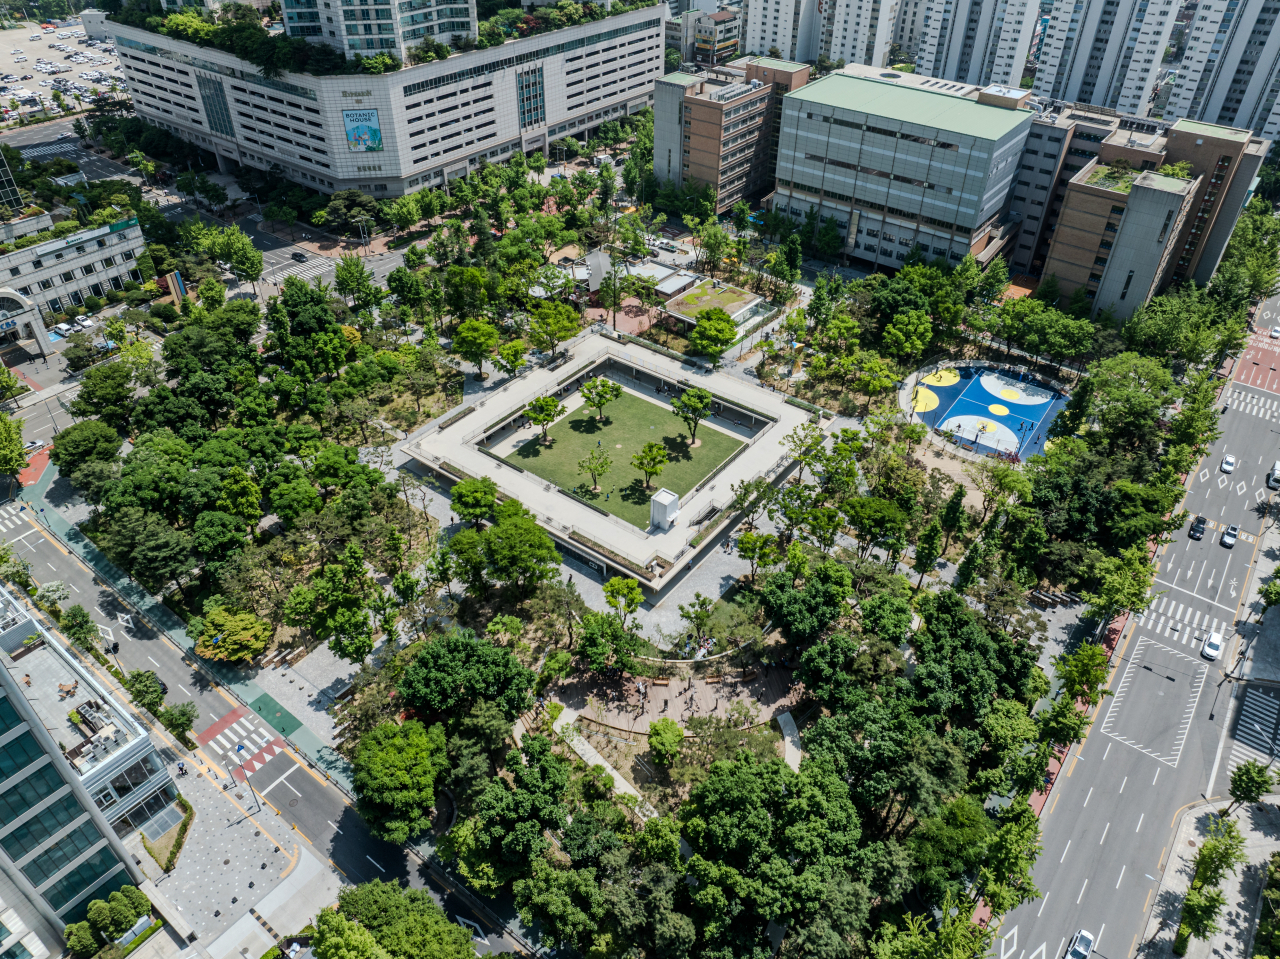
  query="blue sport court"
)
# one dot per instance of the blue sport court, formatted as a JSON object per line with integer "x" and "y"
{"x": 990, "y": 411}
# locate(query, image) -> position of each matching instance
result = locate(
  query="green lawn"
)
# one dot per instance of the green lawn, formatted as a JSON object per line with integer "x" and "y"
{"x": 629, "y": 423}
{"x": 704, "y": 296}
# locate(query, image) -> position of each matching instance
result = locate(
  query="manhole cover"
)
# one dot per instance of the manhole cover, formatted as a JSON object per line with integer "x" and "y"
{"x": 226, "y": 862}
{"x": 239, "y": 795}
{"x": 257, "y": 832}
{"x": 293, "y": 802}
{"x": 277, "y": 714}
{"x": 1191, "y": 842}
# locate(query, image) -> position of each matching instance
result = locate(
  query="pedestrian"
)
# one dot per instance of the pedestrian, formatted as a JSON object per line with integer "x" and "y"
{"x": 450, "y": 519}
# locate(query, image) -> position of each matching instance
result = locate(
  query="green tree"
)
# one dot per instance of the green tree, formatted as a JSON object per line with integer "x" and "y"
{"x": 954, "y": 518}
{"x": 474, "y": 340}
{"x": 405, "y": 922}
{"x": 665, "y": 740}
{"x": 624, "y": 597}
{"x": 454, "y": 671}
{"x": 1250, "y": 781}
{"x": 394, "y": 774}
{"x": 908, "y": 334}
{"x": 714, "y": 333}
{"x": 651, "y": 461}
{"x": 1270, "y": 593}
{"x": 692, "y": 406}
{"x": 84, "y": 442}
{"x": 552, "y": 324}
{"x": 517, "y": 552}
{"x": 544, "y": 411}
{"x": 599, "y": 393}
{"x": 79, "y": 935}
{"x": 595, "y": 464}
{"x": 232, "y": 636}
{"x": 1126, "y": 582}
{"x": 475, "y": 499}
{"x": 106, "y": 391}
{"x": 511, "y": 356}
{"x": 758, "y": 549}
{"x": 928, "y": 550}
{"x": 179, "y": 719}
{"x": 144, "y": 687}
{"x": 79, "y": 627}
{"x": 1005, "y": 881}
{"x": 337, "y": 937}
{"x": 1200, "y": 911}
{"x": 955, "y": 935}
{"x": 1083, "y": 674}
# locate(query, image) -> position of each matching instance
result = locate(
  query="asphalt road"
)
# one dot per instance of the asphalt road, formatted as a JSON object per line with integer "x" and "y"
{"x": 1171, "y": 731}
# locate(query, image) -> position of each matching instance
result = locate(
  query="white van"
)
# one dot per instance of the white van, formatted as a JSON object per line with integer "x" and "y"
{"x": 65, "y": 329}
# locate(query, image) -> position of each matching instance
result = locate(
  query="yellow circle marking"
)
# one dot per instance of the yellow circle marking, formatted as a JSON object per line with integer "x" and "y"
{"x": 925, "y": 401}
{"x": 1010, "y": 394}
{"x": 943, "y": 378}
{"x": 997, "y": 410}
{"x": 986, "y": 427}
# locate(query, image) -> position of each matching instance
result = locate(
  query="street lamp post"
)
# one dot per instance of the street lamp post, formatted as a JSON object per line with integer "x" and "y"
{"x": 240, "y": 760}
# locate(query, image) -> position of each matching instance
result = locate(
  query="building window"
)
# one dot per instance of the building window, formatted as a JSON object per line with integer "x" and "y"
{"x": 81, "y": 878}
{"x": 530, "y": 92}
{"x": 65, "y": 851}
{"x": 44, "y": 782}
{"x": 215, "y": 104}
{"x": 27, "y": 837}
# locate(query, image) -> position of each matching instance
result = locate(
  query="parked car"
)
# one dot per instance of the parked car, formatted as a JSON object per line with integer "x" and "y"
{"x": 64, "y": 329}
{"x": 1197, "y": 528}
{"x": 1230, "y": 535}
{"x": 30, "y": 446}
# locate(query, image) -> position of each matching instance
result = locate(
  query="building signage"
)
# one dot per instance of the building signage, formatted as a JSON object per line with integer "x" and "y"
{"x": 360, "y": 93}
{"x": 364, "y": 134}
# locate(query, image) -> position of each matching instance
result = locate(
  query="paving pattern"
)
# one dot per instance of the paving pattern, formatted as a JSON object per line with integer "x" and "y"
{"x": 238, "y": 741}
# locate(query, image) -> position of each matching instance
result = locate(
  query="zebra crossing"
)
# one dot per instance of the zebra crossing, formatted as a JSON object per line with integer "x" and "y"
{"x": 10, "y": 518}
{"x": 303, "y": 271}
{"x": 1180, "y": 621}
{"x": 1256, "y": 727}
{"x": 1266, "y": 407}
{"x": 239, "y": 728}
{"x": 47, "y": 148}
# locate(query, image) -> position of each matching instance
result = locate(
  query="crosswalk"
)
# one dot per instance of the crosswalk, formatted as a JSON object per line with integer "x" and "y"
{"x": 1180, "y": 621}
{"x": 47, "y": 148}
{"x": 1256, "y": 728}
{"x": 304, "y": 271}
{"x": 10, "y": 518}
{"x": 1266, "y": 407}
{"x": 240, "y": 728}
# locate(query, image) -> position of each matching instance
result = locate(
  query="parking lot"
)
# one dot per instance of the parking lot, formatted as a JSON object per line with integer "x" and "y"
{"x": 35, "y": 63}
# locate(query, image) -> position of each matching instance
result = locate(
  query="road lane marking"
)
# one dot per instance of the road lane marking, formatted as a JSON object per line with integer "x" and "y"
{"x": 1104, "y": 755}
{"x": 1140, "y": 818}
{"x": 1087, "y": 798}
{"x": 1126, "y": 779}
{"x": 1104, "y": 834}
{"x": 184, "y": 689}
{"x": 153, "y": 660}
{"x": 1042, "y": 902}
{"x": 1082, "y": 889}
{"x": 1121, "y": 877}
{"x": 263, "y": 792}
{"x": 370, "y": 858}
{"x": 295, "y": 792}
{"x": 339, "y": 832}
{"x": 51, "y": 566}
{"x": 1155, "y": 777}
{"x": 72, "y": 585}
{"x": 1064, "y": 851}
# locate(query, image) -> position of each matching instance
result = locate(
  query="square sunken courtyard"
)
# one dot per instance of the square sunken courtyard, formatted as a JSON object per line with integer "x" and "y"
{"x": 630, "y": 422}
{"x": 610, "y": 530}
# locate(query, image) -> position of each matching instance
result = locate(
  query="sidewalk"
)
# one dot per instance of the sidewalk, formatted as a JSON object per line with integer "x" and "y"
{"x": 1260, "y": 825}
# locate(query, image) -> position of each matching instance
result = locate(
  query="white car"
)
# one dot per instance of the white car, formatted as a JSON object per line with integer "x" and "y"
{"x": 65, "y": 134}
{"x": 34, "y": 36}
{"x": 1212, "y": 648}
{"x": 1228, "y": 463}
{"x": 1230, "y": 535}
{"x": 1081, "y": 945}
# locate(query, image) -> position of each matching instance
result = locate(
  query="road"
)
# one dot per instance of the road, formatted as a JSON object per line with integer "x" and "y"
{"x": 1175, "y": 724}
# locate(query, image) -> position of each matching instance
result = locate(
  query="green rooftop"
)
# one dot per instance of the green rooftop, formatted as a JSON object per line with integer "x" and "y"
{"x": 771, "y": 64}
{"x": 1119, "y": 179}
{"x": 680, "y": 79}
{"x": 1155, "y": 180}
{"x": 912, "y": 104}
{"x": 1196, "y": 128}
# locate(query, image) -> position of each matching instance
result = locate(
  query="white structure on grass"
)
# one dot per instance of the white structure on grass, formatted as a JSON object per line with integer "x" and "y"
{"x": 664, "y": 509}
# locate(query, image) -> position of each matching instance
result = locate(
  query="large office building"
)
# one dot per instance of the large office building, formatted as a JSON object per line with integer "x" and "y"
{"x": 705, "y": 39}
{"x": 77, "y": 773}
{"x": 903, "y": 162}
{"x": 900, "y": 165}
{"x": 1230, "y": 72}
{"x": 976, "y": 41}
{"x": 1105, "y": 52}
{"x": 395, "y": 133}
{"x": 719, "y": 127}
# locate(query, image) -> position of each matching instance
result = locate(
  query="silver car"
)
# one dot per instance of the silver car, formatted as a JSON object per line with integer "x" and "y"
{"x": 1230, "y": 535}
{"x": 1081, "y": 945}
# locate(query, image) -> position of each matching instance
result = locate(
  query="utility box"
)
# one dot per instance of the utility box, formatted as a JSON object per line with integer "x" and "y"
{"x": 664, "y": 509}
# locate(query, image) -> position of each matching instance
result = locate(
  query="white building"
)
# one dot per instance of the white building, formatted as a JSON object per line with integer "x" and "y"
{"x": 976, "y": 41}
{"x": 855, "y": 31}
{"x": 395, "y": 133}
{"x": 906, "y": 32}
{"x": 1230, "y": 71}
{"x": 1105, "y": 52}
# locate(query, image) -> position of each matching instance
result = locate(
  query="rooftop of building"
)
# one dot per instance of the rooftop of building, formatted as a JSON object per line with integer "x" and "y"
{"x": 1118, "y": 179}
{"x": 912, "y": 103}
{"x": 769, "y": 63}
{"x": 722, "y": 16}
{"x": 680, "y": 79}
{"x": 1196, "y": 128}
{"x": 55, "y": 685}
{"x": 1155, "y": 180}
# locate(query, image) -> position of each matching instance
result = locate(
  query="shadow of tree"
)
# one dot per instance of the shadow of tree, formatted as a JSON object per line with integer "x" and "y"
{"x": 677, "y": 447}
{"x": 531, "y": 450}
{"x": 634, "y": 492}
{"x": 588, "y": 424}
